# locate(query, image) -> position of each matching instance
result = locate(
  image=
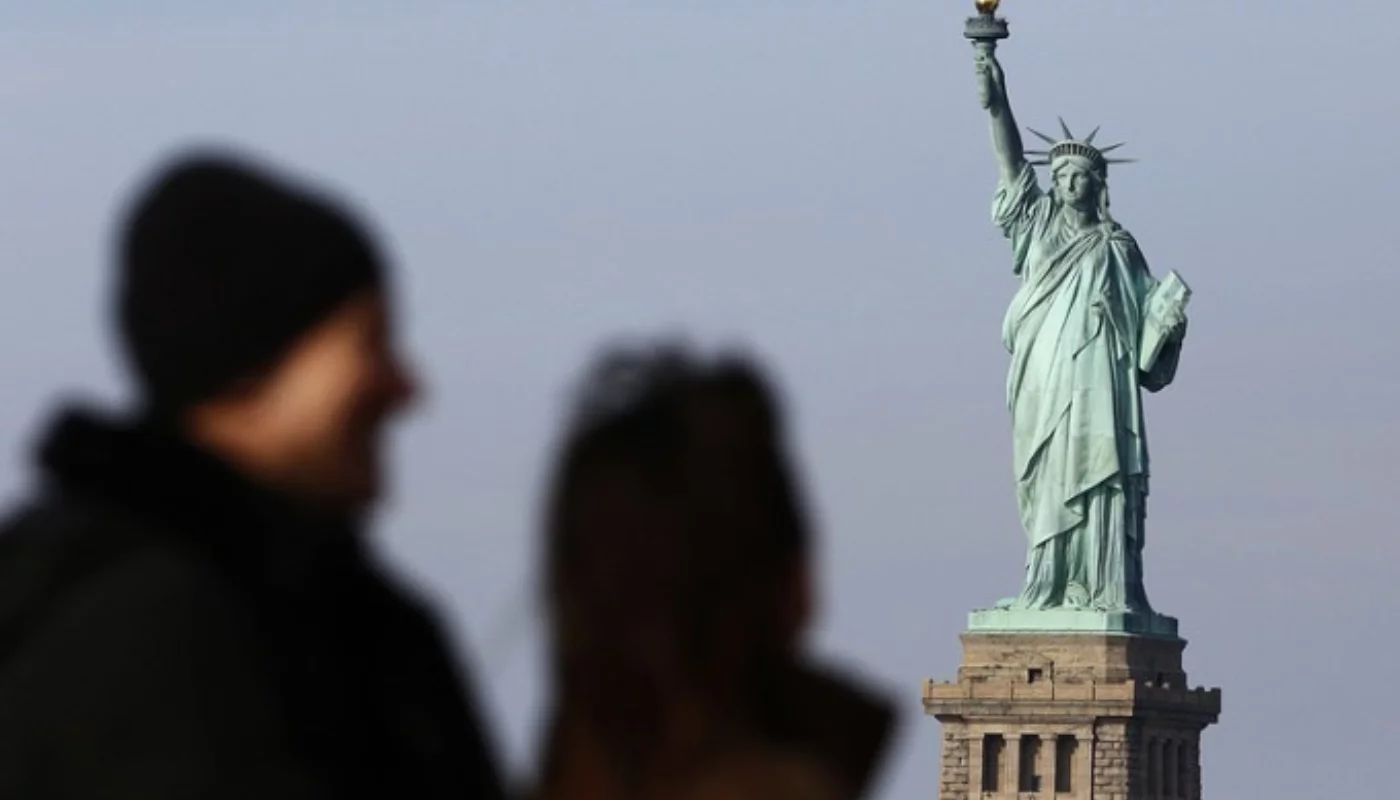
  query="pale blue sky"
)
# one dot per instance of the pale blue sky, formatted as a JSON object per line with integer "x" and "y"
{"x": 812, "y": 178}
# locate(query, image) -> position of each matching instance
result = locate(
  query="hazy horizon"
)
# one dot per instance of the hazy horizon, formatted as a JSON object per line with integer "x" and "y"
{"x": 811, "y": 180}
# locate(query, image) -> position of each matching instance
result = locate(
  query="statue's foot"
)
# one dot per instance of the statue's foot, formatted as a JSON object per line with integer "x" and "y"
{"x": 1005, "y": 603}
{"x": 1121, "y": 608}
{"x": 1076, "y": 596}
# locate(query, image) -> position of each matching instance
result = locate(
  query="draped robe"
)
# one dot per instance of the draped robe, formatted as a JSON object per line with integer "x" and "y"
{"x": 1074, "y": 392}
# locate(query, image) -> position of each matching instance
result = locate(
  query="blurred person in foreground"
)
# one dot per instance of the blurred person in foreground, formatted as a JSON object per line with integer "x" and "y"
{"x": 188, "y": 608}
{"x": 678, "y": 583}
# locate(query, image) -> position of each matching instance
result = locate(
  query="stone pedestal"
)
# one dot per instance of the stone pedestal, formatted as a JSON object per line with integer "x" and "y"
{"x": 1070, "y": 715}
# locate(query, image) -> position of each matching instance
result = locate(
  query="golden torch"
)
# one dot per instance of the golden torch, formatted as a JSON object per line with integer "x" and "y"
{"x": 986, "y": 29}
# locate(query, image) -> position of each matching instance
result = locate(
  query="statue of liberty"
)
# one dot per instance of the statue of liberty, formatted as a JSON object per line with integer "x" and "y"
{"x": 1088, "y": 330}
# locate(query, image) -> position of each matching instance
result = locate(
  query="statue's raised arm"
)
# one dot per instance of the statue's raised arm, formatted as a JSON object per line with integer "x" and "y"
{"x": 1006, "y": 139}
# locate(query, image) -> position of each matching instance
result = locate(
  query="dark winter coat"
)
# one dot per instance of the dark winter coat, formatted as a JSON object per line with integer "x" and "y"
{"x": 169, "y": 630}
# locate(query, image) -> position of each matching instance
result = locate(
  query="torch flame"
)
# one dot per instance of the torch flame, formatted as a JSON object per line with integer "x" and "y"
{"x": 987, "y": 6}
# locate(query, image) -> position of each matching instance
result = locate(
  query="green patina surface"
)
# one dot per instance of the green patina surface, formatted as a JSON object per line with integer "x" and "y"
{"x": 1089, "y": 330}
{"x": 1071, "y": 620}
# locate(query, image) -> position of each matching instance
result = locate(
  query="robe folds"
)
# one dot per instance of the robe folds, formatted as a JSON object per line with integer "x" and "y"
{"x": 1074, "y": 391}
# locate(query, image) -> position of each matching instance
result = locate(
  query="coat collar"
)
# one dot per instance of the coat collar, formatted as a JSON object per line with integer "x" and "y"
{"x": 144, "y": 467}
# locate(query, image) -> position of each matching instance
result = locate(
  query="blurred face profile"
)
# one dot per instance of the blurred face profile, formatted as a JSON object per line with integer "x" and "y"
{"x": 319, "y": 416}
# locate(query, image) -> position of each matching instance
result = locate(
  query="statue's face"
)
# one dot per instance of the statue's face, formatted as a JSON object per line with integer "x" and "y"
{"x": 1076, "y": 186}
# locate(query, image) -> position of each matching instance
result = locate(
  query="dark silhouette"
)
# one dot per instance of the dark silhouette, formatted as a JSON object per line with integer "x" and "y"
{"x": 188, "y": 608}
{"x": 677, "y": 582}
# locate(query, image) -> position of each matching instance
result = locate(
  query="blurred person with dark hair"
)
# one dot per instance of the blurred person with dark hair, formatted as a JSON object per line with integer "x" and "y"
{"x": 188, "y": 608}
{"x": 677, "y": 580}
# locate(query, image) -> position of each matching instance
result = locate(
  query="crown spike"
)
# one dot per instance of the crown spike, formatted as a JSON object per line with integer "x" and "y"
{"x": 1070, "y": 146}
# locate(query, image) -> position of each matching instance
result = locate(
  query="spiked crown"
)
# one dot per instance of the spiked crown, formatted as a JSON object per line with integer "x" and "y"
{"x": 1070, "y": 146}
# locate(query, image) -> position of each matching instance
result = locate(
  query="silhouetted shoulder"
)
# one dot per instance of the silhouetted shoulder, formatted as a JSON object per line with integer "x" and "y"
{"x": 130, "y": 665}
{"x": 55, "y": 552}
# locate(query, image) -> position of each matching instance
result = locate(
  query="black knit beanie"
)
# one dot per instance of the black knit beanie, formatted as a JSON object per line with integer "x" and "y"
{"x": 221, "y": 269}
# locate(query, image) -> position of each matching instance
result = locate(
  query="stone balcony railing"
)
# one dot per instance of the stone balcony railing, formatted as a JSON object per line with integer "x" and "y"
{"x": 1201, "y": 700}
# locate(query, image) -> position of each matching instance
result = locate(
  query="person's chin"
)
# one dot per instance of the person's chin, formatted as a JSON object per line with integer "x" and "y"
{"x": 360, "y": 494}
{"x": 369, "y": 492}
